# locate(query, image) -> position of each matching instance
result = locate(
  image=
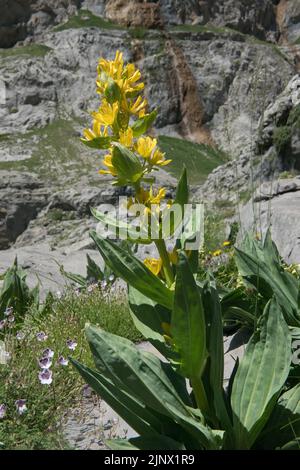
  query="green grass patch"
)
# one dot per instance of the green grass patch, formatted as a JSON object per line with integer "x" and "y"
{"x": 199, "y": 159}
{"x": 86, "y": 19}
{"x": 41, "y": 426}
{"x": 33, "y": 50}
{"x": 56, "y": 152}
{"x": 190, "y": 28}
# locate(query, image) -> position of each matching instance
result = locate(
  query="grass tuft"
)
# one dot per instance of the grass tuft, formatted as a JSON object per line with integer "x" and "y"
{"x": 85, "y": 19}
{"x": 40, "y": 426}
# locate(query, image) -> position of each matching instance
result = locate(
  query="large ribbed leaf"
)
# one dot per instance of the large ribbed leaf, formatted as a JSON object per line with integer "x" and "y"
{"x": 125, "y": 265}
{"x": 214, "y": 371}
{"x": 259, "y": 264}
{"x": 134, "y": 412}
{"x": 260, "y": 376}
{"x": 188, "y": 321}
{"x": 149, "y": 318}
{"x": 147, "y": 379}
{"x": 284, "y": 424}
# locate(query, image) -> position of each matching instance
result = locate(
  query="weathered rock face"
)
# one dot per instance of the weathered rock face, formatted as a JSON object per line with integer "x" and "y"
{"x": 275, "y": 149}
{"x": 276, "y": 205}
{"x": 256, "y": 17}
{"x": 19, "y": 18}
{"x": 22, "y": 196}
{"x": 289, "y": 19}
{"x": 134, "y": 13}
{"x": 213, "y": 81}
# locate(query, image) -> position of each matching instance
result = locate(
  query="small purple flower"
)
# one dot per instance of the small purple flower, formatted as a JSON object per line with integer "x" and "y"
{"x": 71, "y": 344}
{"x": 2, "y": 410}
{"x": 86, "y": 391}
{"x": 21, "y": 406}
{"x": 77, "y": 292}
{"x": 48, "y": 353}
{"x": 90, "y": 289}
{"x": 11, "y": 318}
{"x": 45, "y": 362}
{"x": 41, "y": 336}
{"x": 20, "y": 335}
{"x": 62, "y": 361}
{"x": 3, "y": 324}
{"x": 104, "y": 284}
{"x": 8, "y": 311}
{"x": 45, "y": 376}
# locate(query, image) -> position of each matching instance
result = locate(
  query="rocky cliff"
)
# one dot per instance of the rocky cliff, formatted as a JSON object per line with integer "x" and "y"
{"x": 223, "y": 73}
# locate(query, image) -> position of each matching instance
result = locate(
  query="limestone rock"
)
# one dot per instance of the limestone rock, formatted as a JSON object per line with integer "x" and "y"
{"x": 276, "y": 205}
{"x": 20, "y": 18}
{"x": 22, "y": 196}
{"x": 134, "y": 13}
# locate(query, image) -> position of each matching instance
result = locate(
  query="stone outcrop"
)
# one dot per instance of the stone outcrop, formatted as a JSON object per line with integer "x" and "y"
{"x": 20, "y": 18}
{"x": 276, "y": 205}
{"x": 22, "y": 197}
{"x": 223, "y": 73}
{"x": 134, "y": 13}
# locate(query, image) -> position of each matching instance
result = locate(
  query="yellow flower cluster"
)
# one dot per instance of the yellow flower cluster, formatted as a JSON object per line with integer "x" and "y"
{"x": 122, "y": 104}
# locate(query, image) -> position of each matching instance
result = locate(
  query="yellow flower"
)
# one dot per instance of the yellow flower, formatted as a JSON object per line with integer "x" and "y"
{"x": 125, "y": 77}
{"x": 110, "y": 168}
{"x": 109, "y": 69}
{"x": 130, "y": 76}
{"x": 126, "y": 137}
{"x": 107, "y": 113}
{"x": 154, "y": 265}
{"x": 145, "y": 146}
{"x": 150, "y": 197}
{"x": 138, "y": 107}
{"x": 158, "y": 158}
{"x": 226, "y": 243}
{"x": 217, "y": 253}
{"x": 95, "y": 132}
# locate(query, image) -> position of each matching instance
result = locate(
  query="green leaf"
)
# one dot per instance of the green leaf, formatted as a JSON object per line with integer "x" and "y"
{"x": 77, "y": 278}
{"x": 188, "y": 321}
{"x": 214, "y": 371}
{"x": 103, "y": 142}
{"x": 125, "y": 265}
{"x": 143, "y": 124}
{"x": 284, "y": 424}
{"x": 126, "y": 163}
{"x": 149, "y": 317}
{"x": 129, "y": 408}
{"x": 15, "y": 292}
{"x": 182, "y": 192}
{"x": 260, "y": 265}
{"x": 144, "y": 377}
{"x": 93, "y": 270}
{"x": 260, "y": 376}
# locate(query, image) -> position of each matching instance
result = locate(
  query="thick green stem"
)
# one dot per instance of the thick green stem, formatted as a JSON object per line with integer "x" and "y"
{"x": 200, "y": 395}
{"x": 162, "y": 250}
